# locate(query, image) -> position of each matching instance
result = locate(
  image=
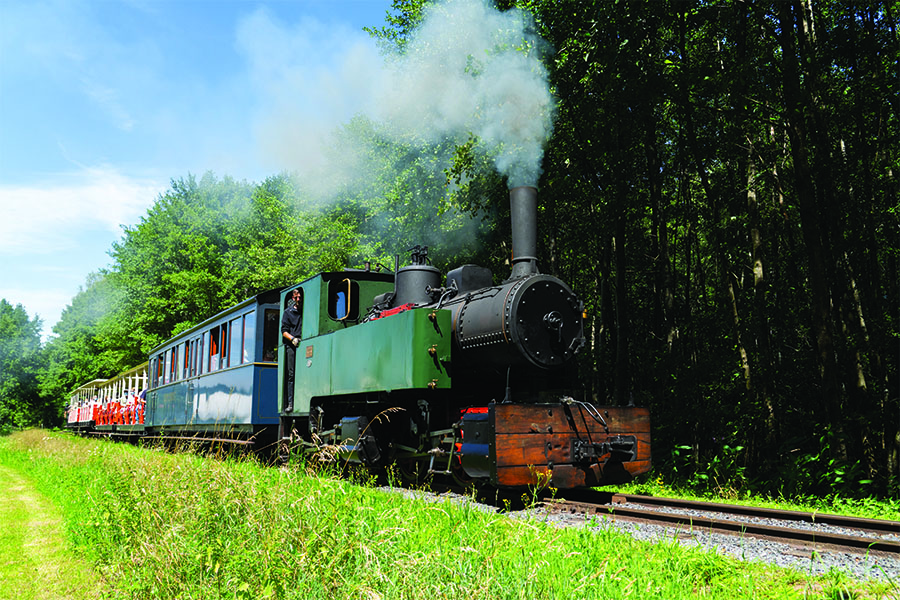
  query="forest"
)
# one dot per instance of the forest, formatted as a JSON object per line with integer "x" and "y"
{"x": 720, "y": 187}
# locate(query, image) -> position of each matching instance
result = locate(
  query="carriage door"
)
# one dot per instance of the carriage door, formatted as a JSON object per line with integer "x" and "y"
{"x": 190, "y": 372}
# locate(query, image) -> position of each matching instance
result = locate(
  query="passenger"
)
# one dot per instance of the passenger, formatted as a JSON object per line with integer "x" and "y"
{"x": 290, "y": 330}
{"x": 141, "y": 405}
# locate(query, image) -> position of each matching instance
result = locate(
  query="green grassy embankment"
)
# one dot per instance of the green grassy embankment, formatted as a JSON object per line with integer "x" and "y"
{"x": 159, "y": 525}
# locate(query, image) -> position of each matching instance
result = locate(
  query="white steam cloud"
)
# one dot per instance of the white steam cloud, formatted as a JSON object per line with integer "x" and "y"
{"x": 469, "y": 70}
{"x": 472, "y": 69}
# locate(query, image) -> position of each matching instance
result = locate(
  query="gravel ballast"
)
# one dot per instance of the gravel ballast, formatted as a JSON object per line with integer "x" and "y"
{"x": 807, "y": 560}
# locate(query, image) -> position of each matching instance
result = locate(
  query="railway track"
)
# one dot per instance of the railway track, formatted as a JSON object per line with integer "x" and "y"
{"x": 810, "y": 530}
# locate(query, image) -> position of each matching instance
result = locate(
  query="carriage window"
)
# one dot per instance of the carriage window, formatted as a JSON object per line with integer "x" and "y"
{"x": 201, "y": 357}
{"x": 224, "y": 346}
{"x": 167, "y": 370}
{"x": 154, "y": 376}
{"x": 237, "y": 341}
{"x": 186, "y": 368}
{"x": 173, "y": 364}
{"x": 214, "y": 349}
{"x": 271, "y": 334}
{"x": 204, "y": 343}
{"x": 249, "y": 337}
{"x": 192, "y": 369}
{"x": 343, "y": 300}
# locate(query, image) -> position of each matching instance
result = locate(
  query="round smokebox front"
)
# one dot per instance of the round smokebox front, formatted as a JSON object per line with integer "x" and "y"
{"x": 544, "y": 320}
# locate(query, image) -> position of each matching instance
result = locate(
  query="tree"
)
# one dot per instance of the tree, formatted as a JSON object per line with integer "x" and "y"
{"x": 20, "y": 343}
{"x": 93, "y": 340}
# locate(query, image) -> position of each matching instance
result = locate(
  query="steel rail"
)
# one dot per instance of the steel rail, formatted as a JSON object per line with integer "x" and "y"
{"x": 709, "y": 524}
{"x": 179, "y": 438}
{"x": 875, "y": 525}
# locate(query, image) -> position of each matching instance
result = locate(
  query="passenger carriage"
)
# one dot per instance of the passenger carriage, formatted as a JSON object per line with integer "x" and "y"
{"x": 83, "y": 403}
{"x": 218, "y": 380}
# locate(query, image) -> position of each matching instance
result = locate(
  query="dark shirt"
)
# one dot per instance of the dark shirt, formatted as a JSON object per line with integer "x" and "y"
{"x": 291, "y": 322}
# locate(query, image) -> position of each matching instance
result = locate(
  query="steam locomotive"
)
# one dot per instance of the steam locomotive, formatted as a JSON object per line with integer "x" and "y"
{"x": 458, "y": 377}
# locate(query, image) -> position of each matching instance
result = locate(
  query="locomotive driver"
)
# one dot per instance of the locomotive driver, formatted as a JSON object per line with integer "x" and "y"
{"x": 290, "y": 331}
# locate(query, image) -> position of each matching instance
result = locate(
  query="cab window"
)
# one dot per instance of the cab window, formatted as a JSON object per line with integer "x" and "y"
{"x": 343, "y": 300}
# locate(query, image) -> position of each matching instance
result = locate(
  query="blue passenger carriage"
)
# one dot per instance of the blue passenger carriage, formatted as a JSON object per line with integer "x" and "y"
{"x": 219, "y": 379}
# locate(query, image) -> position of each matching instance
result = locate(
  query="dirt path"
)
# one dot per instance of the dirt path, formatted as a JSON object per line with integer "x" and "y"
{"x": 35, "y": 562}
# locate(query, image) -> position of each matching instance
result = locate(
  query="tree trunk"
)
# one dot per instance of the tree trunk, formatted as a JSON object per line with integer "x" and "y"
{"x": 623, "y": 355}
{"x": 811, "y": 230}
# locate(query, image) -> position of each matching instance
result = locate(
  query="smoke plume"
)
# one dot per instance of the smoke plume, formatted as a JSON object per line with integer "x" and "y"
{"x": 469, "y": 70}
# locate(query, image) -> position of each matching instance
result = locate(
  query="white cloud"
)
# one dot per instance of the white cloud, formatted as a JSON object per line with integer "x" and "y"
{"x": 46, "y": 218}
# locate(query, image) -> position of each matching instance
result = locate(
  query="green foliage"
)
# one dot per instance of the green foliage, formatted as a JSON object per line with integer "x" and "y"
{"x": 93, "y": 340}
{"x": 663, "y": 484}
{"x": 718, "y": 191}
{"x": 172, "y": 264}
{"x": 723, "y": 475}
{"x": 20, "y": 403}
{"x": 400, "y": 24}
{"x": 208, "y": 244}
{"x": 822, "y": 473}
{"x": 410, "y": 195}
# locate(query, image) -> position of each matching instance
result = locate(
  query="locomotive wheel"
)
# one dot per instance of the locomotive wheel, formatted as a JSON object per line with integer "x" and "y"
{"x": 461, "y": 479}
{"x": 412, "y": 472}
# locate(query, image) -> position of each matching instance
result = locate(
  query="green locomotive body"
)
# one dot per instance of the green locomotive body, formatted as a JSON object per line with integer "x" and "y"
{"x": 340, "y": 357}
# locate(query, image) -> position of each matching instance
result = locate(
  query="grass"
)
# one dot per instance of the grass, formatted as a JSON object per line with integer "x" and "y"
{"x": 159, "y": 525}
{"x": 35, "y": 561}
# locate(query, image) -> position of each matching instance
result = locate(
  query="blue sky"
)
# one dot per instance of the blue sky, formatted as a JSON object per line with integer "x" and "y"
{"x": 103, "y": 103}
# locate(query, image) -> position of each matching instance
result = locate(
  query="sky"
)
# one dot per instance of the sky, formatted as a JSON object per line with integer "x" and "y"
{"x": 104, "y": 102}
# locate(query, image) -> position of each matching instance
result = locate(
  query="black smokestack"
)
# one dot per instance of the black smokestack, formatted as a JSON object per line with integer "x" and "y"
{"x": 523, "y": 214}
